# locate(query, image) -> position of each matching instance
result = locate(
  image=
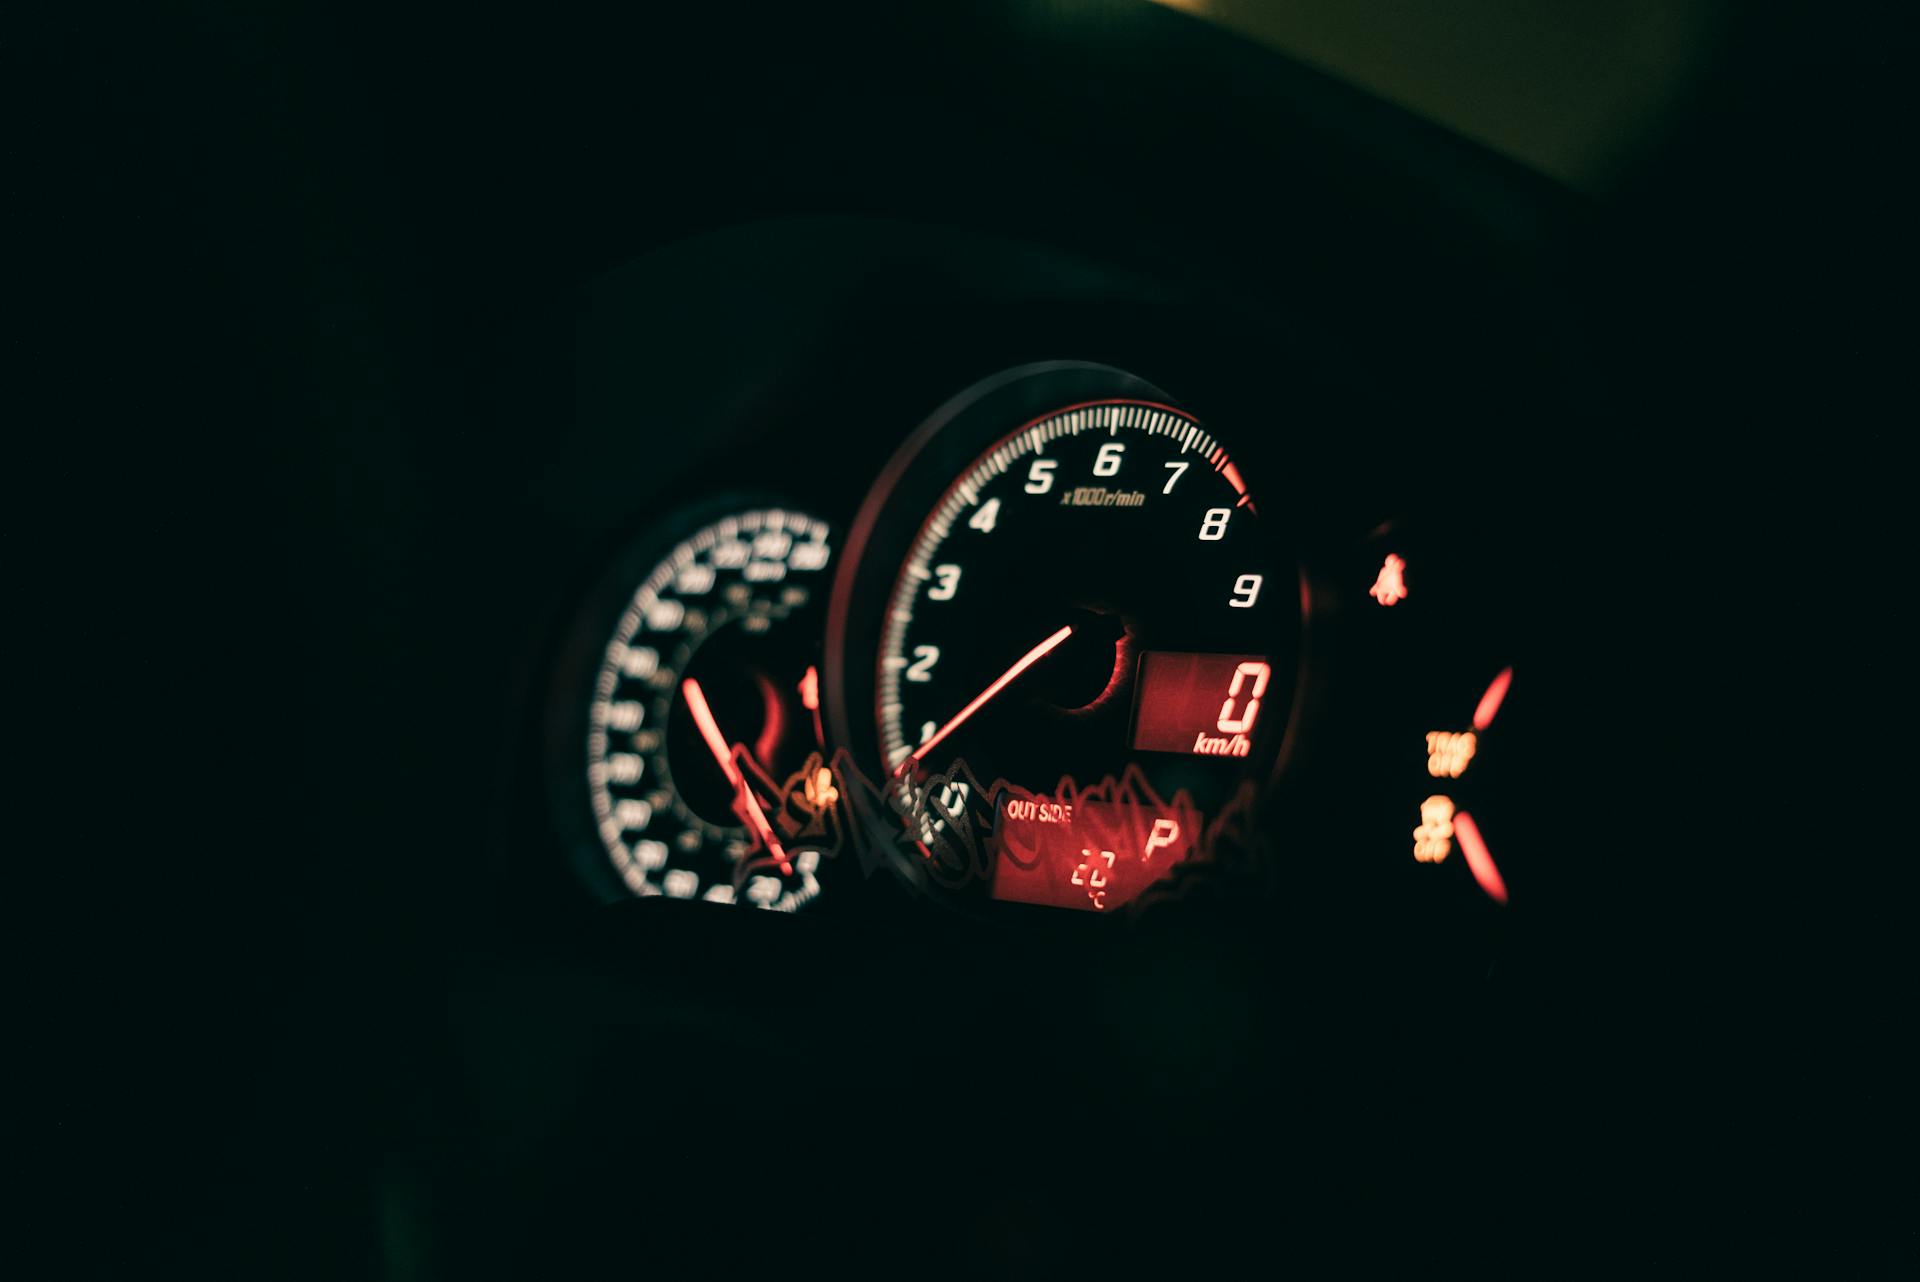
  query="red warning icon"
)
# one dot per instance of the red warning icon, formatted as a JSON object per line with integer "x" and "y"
{"x": 1390, "y": 584}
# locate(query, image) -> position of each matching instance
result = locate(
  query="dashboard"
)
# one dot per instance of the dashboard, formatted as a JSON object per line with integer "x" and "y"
{"x": 1004, "y": 638}
{"x": 1079, "y": 654}
{"x": 1049, "y": 625}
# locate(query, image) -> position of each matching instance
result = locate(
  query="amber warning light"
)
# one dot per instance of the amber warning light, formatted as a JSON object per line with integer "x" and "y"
{"x": 1205, "y": 705}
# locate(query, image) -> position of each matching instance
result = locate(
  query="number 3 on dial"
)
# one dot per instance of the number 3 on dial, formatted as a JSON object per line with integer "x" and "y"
{"x": 946, "y": 582}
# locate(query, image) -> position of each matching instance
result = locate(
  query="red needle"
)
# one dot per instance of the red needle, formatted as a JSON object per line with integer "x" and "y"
{"x": 717, "y": 744}
{"x": 1026, "y": 661}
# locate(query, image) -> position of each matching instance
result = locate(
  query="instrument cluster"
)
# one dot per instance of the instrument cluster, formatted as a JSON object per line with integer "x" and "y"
{"x": 1043, "y": 643}
{"x": 1074, "y": 643}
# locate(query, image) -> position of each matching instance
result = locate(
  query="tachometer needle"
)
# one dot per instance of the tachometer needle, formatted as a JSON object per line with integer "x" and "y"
{"x": 1025, "y": 661}
{"x": 717, "y": 744}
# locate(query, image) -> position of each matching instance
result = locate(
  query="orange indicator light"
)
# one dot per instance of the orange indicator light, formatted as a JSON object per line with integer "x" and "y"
{"x": 1390, "y": 584}
{"x": 1448, "y": 753}
{"x": 1433, "y": 839}
{"x": 1479, "y": 862}
{"x": 810, "y": 689}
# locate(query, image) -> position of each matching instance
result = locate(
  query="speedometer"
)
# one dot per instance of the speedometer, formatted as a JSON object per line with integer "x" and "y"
{"x": 1087, "y": 642}
{"x": 704, "y": 712}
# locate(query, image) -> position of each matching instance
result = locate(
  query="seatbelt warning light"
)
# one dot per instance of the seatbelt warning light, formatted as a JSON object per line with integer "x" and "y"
{"x": 1390, "y": 584}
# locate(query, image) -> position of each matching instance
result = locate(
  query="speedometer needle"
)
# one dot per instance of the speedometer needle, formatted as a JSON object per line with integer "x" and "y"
{"x": 1025, "y": 661}
{"x": 717, "y": 744}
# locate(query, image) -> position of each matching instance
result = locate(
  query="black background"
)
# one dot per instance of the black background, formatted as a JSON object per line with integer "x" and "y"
{"x": 275, "y": 291}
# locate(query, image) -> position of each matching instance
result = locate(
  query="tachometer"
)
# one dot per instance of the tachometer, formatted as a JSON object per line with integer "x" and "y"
{"x": 1085, "y": 621}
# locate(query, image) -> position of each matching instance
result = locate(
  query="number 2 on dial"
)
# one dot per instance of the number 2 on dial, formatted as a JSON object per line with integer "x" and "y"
{"x": 925, "y": 656}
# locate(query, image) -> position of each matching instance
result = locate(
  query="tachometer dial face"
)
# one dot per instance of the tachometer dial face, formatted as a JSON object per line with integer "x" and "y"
{"x": 1090, "y": 625}
{"x": 1127, "y": 525}
{"x": 706, "y": 699}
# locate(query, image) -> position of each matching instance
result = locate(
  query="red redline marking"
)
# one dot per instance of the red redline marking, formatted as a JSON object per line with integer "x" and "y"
{"x": 1232, "y": 473}
{"x": 1479, "y": 862}
{"x": 1489, "y": 704}
{"x": 1025, "y": 661}
{"x": 717, "y": 745}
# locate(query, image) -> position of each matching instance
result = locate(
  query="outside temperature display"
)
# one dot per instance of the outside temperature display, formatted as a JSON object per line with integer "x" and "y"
{"x": 1089, "y": 854}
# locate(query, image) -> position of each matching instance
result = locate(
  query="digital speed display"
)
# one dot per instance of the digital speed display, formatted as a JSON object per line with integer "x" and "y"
{"x": 1203, "y": 704}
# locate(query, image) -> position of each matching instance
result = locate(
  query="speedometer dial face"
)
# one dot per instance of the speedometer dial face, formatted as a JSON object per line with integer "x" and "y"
{"x": 706, "y": 694}
{"x": 1092, "y": 624}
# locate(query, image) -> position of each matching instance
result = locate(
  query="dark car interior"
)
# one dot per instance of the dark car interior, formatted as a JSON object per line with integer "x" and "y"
{"x": 1001, "y": 638}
